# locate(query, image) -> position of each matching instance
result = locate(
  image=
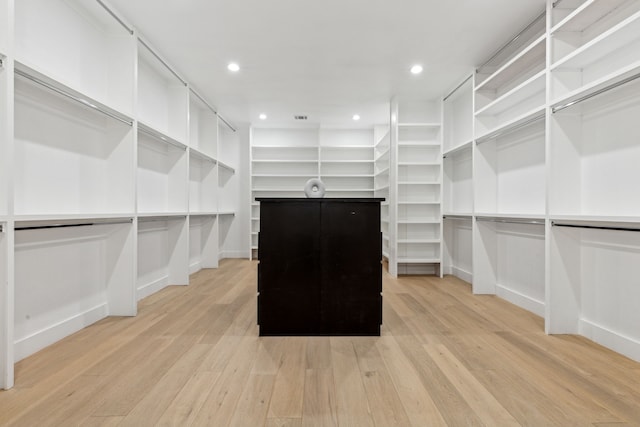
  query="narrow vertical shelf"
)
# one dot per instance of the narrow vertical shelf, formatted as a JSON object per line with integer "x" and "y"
{"x": 228, "y": 193}
{"x": 416, "y": 220}
{"x": 203, "y": 183}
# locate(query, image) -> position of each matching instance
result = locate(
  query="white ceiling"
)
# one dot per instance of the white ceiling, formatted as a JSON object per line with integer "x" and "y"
{"x": 328, "y": 59}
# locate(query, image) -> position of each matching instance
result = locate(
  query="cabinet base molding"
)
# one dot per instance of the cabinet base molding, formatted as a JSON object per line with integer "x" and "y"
{"x": 36, "y": 341}
{"x": 629, "y": 346}
{"x": 521, "y": 300}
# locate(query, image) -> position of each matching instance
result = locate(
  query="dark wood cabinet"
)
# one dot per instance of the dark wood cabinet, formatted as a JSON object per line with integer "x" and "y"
{"x": 320, "y": 270}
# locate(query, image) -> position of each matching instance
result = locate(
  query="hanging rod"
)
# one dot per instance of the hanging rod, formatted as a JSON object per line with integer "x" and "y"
{"x": 511, "y": 220}
{"x": 78, "y": 224}
{"x": 160, "y": 218}
{"x": 596, "y": 93}
{"x": 517, "y": 36}
{"x": 456, "y": 88}
{"x": 82, "y": 101}
{"x": 596, "y": 227}
{"x": 511, "y": 129}
{"x": 457, "y": 217}
{"x": 212, "y": 109}
{"x": 116, "y": 17}
{"x": 162, "y": 61}
{"x": 159, "y": 136}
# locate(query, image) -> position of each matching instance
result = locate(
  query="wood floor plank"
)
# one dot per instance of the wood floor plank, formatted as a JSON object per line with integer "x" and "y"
{"x": 384, "y": 403}
{"x": 287, "y": 398}
{"x": 477, "y": 397}
{"x": 193, "y": 357}
{"x": 351, "y": 399}
{"x": 418, "y": 404}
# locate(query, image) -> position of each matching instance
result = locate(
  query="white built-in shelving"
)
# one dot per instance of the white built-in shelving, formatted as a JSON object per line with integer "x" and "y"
{"x": 553, "y": 221}
{"x": 109, "y": 173}
{"x": 381, "y": 182}
{"x": 283, "y": 160}
{"x": 415, "y": 212}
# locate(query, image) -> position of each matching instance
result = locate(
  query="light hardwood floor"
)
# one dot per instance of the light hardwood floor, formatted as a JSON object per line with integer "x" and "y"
{"x": 192, "y": 357}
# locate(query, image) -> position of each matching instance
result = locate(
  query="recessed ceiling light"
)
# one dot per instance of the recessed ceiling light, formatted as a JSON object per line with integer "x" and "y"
{"x": 416, "y": 69}
{"x": 263, "y": 116}
{"x": 233, "y": 67}
{"x": 356, "y": 117}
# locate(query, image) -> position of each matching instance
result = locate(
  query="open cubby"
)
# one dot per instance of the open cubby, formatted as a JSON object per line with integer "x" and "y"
{"x": 80, "y": 45}
{"x": 595, "y": 155}
{"x": 162, "y": 176}
{"x": 457, "y": 254}
{"x": 69, "y": 277}
{"x": 163, "y": 99}
{"x": 203, "y": 126}
{"x": 69, "y": 159}
{"x": 203, "y": 183}
{"x": 458, "y": 182}
{"x": 510, "y": 172}
{"x": 203, "y": 242}
{"x": 509, "y": 261}
{"x": 593, "y": 286}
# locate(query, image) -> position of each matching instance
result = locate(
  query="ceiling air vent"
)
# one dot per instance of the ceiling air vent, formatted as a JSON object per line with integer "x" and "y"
{"x": 300, "y": 117}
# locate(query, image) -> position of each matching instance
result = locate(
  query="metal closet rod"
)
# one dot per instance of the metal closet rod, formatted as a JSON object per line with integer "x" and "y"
{"x": 162, "y": 61}
{"x": 511, "y": 129}
{"x": 596, "y": 93}
{"x": 517, "y": 36}
{"x": 116, "y": 17}
{"x": 456, "y": 88}
{"x": 160, "y": 218}
{"x": 212, "y": 109}
{"x": 595, "y": 227}
{"x": 72, "y": 96}
{"x": 79, "y": 224}
{"x": 161, "y": 138}
{"x": 457, "y": 217}
{"x": 510, "y": 220}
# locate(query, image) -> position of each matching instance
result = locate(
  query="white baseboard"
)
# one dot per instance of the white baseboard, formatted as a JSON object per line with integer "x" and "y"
{"x": 26, "y": 346}
{"x": 462, "y": 274}
{"x": 195, "y": 267}
{"x": 521, "y": 300}
{"x": 152, "y": 287}
{"x": 622, "y": 344}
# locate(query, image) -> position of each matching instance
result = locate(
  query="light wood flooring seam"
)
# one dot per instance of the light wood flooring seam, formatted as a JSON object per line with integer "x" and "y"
{"x": 193, "y": 357}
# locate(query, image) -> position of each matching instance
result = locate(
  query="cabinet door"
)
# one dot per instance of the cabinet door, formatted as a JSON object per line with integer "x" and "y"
{"x": 289, "y": 269}
{"x": 351, "y": 268}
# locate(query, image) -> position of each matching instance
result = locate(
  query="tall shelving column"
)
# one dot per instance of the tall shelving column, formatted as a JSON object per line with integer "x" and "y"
{"x": 509, "y": 171}
{"x": 6, "y": 234}
{"x": 457, "y": 201}
{"x": 381, "y": 184}
{"x": 75, "y": 169}
{"x": 417, "y": 183}
{"x": 594, "y": 148}
{"x": 162, "y": 111}
{"x": 203, "y": 182}
{"x": 228, "y": 186}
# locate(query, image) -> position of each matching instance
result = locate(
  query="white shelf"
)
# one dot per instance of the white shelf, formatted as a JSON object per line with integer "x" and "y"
{"x": 67, "y": 218}
{"x": 586, "y": 15}
{"x": 620, "y": 35}
{"x": 518, "y": 65}
{"x": 419, "y": 203}
{"x": 525, "y": 90}
{"x": 418, "y": 260}
{"x": 284, "y": 161}
{"x": 159, "y": 136}
{"x": 226, "y": 166}
{"x": 513, "y": 216}
{"x": 341, "y": 175}
{"x": 516, "y": 122}
{"x": 421, "y": 125}
{"x": 458, "y": 215}
{"x": 418, "y": 144}
{"x": 201, "y": 156}
{"x": 418, "y": 221}
{"x": 418, "y": 163}
{"x": 604, "y": 219}
{"x": 409, "y": 241}
{"x": 458, "y": 149}
{"x": 147, "y": 215}
{"x": 284, "y": 175}
{"x": 418, "y": 183}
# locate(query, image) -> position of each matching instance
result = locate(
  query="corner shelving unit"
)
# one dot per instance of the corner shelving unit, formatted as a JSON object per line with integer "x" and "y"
{"x": 416, "y": 181}
{"x": 382, "y": 164}
{"x": 95, "y": 155}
